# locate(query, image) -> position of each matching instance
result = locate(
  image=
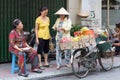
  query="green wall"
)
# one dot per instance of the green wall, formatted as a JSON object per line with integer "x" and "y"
{"x": 27, "y": 11}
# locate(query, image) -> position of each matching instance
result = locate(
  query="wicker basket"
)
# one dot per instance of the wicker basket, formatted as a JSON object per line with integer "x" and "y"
{"x": 75, "y": 45}
{"x": 83, "y": 42}
{"x": 87, "y": 41}
{"x": 70, "y": 45}
{"x": 66, "y": 45}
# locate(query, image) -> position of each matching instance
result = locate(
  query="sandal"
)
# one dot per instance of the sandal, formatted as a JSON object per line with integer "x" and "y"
{"x": 24, "y": 75}
{"x": 47, "y": 65}
{"x": 68, "y": 65}
{"x": 58, "y": 67}
{"x": 41, "y": 68}
{"x": 37, "y": 71}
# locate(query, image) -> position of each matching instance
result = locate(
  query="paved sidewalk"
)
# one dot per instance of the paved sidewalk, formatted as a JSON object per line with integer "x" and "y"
{"x": 5, "y": 73}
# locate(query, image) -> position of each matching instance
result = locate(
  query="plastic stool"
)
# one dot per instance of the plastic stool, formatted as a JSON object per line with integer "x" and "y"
{"x": 14, "y": 66}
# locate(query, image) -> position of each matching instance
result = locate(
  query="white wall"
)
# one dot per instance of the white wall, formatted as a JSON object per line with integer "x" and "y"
{"x": 74, "y": 6}
{"x": 96, "y": 5}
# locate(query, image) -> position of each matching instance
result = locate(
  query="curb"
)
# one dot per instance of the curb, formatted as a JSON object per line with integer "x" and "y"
{"x": 59, "y": 75}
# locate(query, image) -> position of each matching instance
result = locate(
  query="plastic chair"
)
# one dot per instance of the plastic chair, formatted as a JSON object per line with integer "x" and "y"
{"x": 14, "y": 66}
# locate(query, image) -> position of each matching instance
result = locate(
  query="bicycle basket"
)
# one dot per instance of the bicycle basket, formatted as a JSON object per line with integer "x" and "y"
{"x": 104, "y": 46}
{"x": 101, "y": 38}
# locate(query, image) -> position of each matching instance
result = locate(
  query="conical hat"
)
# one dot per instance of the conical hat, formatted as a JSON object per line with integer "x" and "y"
{"x": 84, "y": 14}
{"x": 62, "y": 11}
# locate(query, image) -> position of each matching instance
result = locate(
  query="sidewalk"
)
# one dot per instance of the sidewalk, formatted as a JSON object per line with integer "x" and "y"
{"x": 5, "y": 73}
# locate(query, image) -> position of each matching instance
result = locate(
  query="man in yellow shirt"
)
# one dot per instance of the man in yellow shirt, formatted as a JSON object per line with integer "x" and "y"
{"x": 42, "y": 35}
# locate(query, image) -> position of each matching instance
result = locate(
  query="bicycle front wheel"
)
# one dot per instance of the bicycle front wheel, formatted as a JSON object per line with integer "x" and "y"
{"x": 78, "y": 66}
{"x": 106, "y": 60}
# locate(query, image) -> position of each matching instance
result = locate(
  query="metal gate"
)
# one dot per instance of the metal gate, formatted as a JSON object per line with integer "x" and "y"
{"x": 27, "y": 11}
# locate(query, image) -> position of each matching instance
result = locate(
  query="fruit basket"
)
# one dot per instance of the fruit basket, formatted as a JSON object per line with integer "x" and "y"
{"x": 69, "y": 43}
{"x": 65, "y": 46}
{"x": 82, "y": 38}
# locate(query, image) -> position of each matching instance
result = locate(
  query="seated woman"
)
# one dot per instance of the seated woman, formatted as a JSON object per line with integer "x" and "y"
{"x": 116, "y": 35}
{"x": 18, "y": 46}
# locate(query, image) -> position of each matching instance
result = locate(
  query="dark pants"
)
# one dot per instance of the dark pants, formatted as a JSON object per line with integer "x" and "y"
{"x": 117, "y": 48}
{"x": 43, "y": 46}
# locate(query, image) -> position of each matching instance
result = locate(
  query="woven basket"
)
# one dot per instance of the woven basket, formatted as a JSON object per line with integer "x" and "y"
{"x": 66, "y": 45}
{"x": 75, "y": 45}
{"x": 70, "y": 45}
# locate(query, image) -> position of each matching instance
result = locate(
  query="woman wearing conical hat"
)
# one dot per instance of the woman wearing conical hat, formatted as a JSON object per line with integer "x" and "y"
{"x": 62, "y": 26}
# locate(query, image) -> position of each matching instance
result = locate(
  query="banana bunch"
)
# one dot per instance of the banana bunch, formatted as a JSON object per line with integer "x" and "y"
{"x": 84, "y": 29}
{"x": 75, "y": 39}
{"x": 83, "y": 33}
{"x": 105, "y": 34}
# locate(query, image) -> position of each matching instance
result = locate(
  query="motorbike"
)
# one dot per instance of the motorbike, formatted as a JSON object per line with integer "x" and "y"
{"x": 30, "y": 38}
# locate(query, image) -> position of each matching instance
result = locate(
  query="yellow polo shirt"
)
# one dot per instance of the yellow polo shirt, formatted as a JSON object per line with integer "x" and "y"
{"x": 43, "y": 28}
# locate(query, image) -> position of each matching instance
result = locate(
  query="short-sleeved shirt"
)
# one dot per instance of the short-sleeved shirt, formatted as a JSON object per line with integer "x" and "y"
{"x": 43, "y": 28}
{"x": 16, "y": 39}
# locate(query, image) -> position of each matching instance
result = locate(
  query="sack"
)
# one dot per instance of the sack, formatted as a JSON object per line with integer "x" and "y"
{"x": 35, "y": 47}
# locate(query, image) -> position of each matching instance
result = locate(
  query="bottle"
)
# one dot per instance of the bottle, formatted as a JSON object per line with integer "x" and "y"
{"x": 35, "y": 46}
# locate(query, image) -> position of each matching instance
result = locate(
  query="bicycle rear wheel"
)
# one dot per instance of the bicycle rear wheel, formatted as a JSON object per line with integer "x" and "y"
{"x": 78, "y": 66}
{"x": 106, "y": 60}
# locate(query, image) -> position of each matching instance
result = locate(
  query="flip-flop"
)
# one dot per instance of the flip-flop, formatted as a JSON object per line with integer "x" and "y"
{"x": 41, "y": 68}
{"x": 46, "y": 65}
{"x": 58, "y": 67}
{"x": 37, "y": 71}
{"x": 24, "y": 75}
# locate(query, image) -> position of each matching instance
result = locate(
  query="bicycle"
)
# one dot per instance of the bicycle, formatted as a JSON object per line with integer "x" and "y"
{"x": 84, "y": 59}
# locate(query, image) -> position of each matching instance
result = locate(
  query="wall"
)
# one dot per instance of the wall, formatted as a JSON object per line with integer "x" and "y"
{"x": 114, "y": 17}
{"x": 74, "y": 6}
{"x": 96, "y": 6}
{"x": 27, "y": 11}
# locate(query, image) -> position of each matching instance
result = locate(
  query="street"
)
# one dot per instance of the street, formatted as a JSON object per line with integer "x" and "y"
{"x": 114, "y": 74}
